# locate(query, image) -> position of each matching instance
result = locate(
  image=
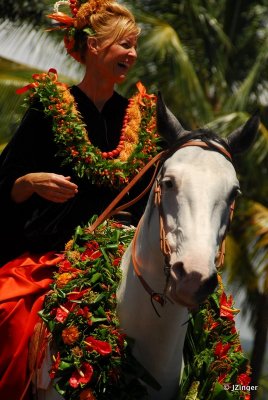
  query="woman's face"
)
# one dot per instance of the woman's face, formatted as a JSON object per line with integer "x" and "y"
{"x": 114, "y": 61}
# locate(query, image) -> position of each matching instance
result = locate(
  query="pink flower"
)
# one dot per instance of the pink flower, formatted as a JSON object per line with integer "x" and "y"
{"x": 61, "y": 314}
{"x": 83, "y": 375}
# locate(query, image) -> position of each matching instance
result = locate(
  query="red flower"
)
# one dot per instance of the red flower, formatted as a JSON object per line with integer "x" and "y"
{"x": 84, "y": 312}
{"x": 221, "y": 378}
{"x": 63, "y": 311}
{"x": 214, "y": 325}
{"x": 65, "y": 266}
{"x": 55, "y": 366}
{"x": 61, "y": 314}
{"x": 83, "y": 375}
{"x": 116, "y": 261}
{"x": 116, "y": 225}
{"x": 238, "y": 348}
{"x": 103, "y": 348}
{"x": 226, "y": 307}
{"x": 87, "y": 395}
{"x": 221, "y": 349}
{"x": 92, "y": 252}
{"x": 233, "y": 330}
{"x": 243, "y": 379}
{"x": 76, "y": 295}
{"x": 121, "y": 249}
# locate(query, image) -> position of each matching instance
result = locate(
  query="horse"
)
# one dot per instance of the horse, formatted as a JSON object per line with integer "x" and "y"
{"x": 170, "y": 267}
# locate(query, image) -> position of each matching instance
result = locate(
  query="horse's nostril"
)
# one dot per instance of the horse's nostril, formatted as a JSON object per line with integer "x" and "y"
{"x": 179, "y": 270}
{"x": 207, "y": 287}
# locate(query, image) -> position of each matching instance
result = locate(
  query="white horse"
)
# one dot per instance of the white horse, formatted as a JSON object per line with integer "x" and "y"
{"x": 170, "y": 266}
{"x": 197, "y": 188}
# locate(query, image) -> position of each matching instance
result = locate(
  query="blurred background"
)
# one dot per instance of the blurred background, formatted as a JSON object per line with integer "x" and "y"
{"x": 210, "y": 60}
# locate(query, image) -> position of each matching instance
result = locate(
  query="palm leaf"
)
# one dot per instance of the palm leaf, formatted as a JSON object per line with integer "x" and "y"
{"x": 242, "y": 96}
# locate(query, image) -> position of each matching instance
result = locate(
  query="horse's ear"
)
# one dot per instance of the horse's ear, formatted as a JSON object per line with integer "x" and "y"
{"x": 167, "y": 124}
{"x": 242, "y": 138}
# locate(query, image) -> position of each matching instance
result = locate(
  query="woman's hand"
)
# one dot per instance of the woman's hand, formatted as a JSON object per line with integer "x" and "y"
{"x": 50, "y": 186}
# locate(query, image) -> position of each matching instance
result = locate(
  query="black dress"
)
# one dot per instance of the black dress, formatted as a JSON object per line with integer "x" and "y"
{"x": 38, "y": 225}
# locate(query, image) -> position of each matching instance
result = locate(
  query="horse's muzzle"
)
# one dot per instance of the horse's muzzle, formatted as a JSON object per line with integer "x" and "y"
{"x": 207, "y": 287}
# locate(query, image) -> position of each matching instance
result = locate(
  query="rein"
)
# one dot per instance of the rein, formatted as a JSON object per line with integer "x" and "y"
{"x": 164, "y": 246}
{"x": 111, "y": 209}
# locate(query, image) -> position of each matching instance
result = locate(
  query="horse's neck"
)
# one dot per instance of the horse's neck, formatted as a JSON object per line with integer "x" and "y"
{"x": 158, "y": 340}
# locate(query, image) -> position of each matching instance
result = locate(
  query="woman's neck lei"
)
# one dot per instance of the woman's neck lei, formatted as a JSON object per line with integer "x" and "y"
{"x": 138, "y": 139}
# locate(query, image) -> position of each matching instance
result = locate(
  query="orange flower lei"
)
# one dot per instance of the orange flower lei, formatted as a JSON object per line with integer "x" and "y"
{"x": 138, "y": 140}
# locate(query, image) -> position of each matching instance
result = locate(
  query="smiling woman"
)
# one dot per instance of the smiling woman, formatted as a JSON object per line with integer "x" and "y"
{"x": 36, "y": 186}
{"x": 74, "y": 150}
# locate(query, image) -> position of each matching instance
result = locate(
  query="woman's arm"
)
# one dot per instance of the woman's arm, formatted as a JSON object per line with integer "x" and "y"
{"x": 30, "y": 152}
{"x": 50, "y": 186}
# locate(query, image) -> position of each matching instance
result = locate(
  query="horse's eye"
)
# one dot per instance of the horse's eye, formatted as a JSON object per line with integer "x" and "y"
{"x": 235, "y": 193}
{"x": 168, "y": 184}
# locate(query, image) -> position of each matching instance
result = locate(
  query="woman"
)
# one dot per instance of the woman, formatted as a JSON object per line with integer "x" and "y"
{"x": 73, "y": 152}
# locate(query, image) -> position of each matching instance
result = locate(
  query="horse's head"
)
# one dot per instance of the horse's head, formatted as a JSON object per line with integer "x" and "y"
{"x": 198, "y": 186}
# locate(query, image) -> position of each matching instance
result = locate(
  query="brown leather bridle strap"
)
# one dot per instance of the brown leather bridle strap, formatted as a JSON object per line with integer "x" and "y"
{"x": 214, "y": 145}
{"x": 154, "y": 296}
{"x": 111, "y": 210}
{"x": 164, "y": 246}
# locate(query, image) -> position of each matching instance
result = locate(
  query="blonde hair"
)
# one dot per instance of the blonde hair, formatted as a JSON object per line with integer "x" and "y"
{"x": 107, "y": 21}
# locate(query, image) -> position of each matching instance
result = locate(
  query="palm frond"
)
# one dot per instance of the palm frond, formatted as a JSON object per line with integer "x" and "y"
{"x": 34, "y": 47}
{"x": 163, "y": 45}
{"x": 241, "y": 97}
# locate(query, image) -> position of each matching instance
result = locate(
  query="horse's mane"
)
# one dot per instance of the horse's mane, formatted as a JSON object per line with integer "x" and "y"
{"x": 205, "y": 135}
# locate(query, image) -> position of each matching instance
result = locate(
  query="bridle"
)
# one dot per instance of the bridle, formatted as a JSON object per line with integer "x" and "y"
{"x": 162, "y": 298}
{"x": 112, "y": 209}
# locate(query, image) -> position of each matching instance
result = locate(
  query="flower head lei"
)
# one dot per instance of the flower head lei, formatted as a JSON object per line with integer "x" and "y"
{"x": 78, "y": 23}
{"x": 137, "y": 143}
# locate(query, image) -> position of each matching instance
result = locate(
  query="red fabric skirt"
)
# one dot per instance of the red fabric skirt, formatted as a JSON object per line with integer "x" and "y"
{"x": 23, "y": 284}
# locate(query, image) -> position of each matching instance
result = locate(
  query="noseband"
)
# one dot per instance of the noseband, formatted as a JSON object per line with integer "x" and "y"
{"x": 161, "y": 298}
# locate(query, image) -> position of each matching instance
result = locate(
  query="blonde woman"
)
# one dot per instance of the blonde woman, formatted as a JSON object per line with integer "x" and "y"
{"x": 73, "y": 152}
